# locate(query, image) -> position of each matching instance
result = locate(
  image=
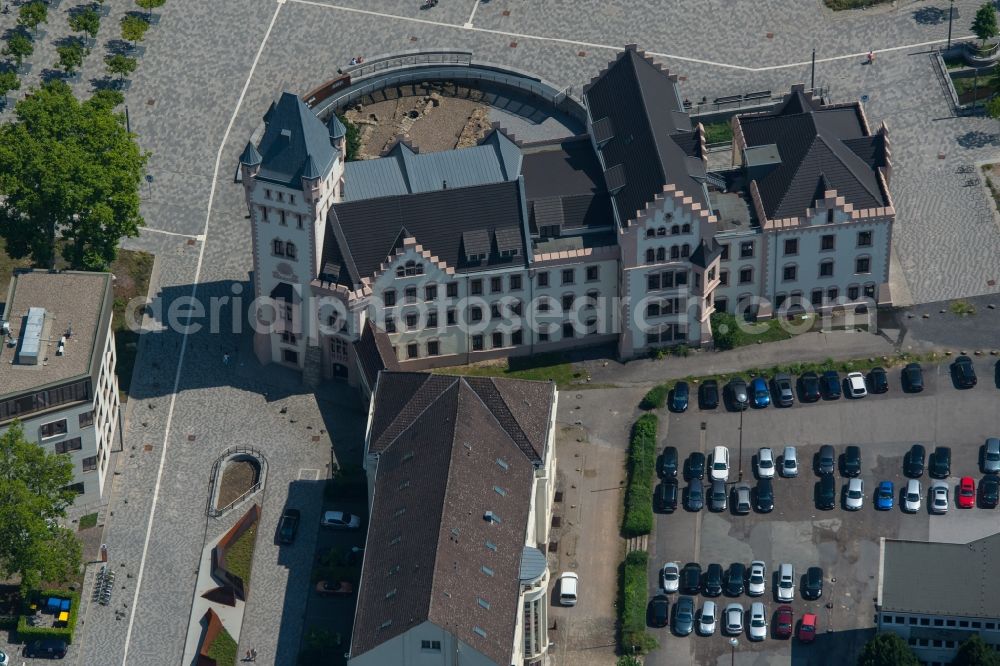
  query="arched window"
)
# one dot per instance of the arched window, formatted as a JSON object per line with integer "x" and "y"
{"x": 290, "y": 250}
{"x": 650, "y": 256}
{"x": 411, "y": 268}
{"x": 674, "y": 230}
{"x": 650, "y": 232}
{"x": 661, "y": 254}
{"x": 661, "y": 231}
{"x": 278, "y": 248}
{"x": 685, "y": 228}
{"x": 400, "y": 271}
{"x": 675, "y": 252}
{"x": 685, "y": 250}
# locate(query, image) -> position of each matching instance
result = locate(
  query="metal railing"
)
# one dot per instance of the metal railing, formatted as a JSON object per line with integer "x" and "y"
{"x": 213, "y": 512}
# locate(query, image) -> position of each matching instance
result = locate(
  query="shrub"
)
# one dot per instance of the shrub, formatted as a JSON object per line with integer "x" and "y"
{"x": 634, "y": 597}
{"x": 655, "y": 398}
{"x": 724, "y": 330}
{"x": 26, "y": 633}
{"x": 638, "y": 518}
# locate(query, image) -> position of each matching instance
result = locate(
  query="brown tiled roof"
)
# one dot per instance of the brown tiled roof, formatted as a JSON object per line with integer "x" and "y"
{"x": 374, "y": 353}
{"x": 450, "y": 450}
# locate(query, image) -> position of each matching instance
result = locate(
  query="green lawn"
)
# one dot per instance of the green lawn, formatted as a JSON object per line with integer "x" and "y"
{"x": 223, "y": 649}
{"x": 985, "y": 84}
{"x": 88, "y": 521}
{"x": 729, "y": 333}
{"x": 544, "y": 367}
{"x": 720, "y": 132}
{"x": 239, "y": 556}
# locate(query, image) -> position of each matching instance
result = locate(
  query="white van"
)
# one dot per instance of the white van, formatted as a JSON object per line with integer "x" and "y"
{"x": 568, "y": 582}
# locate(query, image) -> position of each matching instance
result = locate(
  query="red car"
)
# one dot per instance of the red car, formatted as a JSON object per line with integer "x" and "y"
{"x": 807, "y": 629}
{"x": 966, "y": 492}
{"x": 783, "y": 622}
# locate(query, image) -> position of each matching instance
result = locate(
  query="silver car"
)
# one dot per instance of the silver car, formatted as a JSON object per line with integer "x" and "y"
{"x": 939, "y": 497}
{"x": 757, "y": 580}
{"x": 789, "y": 463}
{"x": 991, "y": 456}
{"x": 758, "y": 621}
{"x": 912, "y": 496}
{"x": 854, "y": 499}
{"x": 670, "y": 576}
{"x": 786, "y": 582}
{"x": 706, "y": 619}
{"x": 733, "y": 619}
{"x": 742, "y": 492}
{"x": 765, "y": 463}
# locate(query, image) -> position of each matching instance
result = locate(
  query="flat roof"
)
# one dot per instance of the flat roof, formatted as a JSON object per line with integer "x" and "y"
{"x": 71, "y": 299}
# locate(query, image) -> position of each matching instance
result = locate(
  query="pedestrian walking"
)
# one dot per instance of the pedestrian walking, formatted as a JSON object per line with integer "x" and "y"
{"x": 871, "y": 57}
{"x": 247, "y": 658}
{"x": 253, "y": 654}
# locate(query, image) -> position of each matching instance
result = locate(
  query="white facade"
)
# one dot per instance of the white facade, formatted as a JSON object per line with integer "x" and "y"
{"x": 423, "y": 645}
{"x": 935, "y": 639}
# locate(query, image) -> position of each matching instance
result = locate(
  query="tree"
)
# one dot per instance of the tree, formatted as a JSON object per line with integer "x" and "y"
{"x": 69, "y": 178}
{"x": 993, "y": 107}
{"x": 120, "y": 65}
{"x": 70, "y": 56}
{"x": 34, "y": 493}
{"x": 134, "y": 28}
{"x": 150, "y": 5}
{"x": 108, "y": 99}
{"x": 984, "y": 25}
{"x": 87, "y": 21}
{"x": 19, "y": 46}
{"x": 32, "y": 15}
{"x": 353, "y": 137}
{"x": 976, "y": 652}
{"x": 887, "y": 649}
{"x": 8, "y": 82}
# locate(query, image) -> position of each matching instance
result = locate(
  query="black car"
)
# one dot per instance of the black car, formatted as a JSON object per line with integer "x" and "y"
{"x": 826, "y": 461}
{"x": 695, "y": 467}
{"x": 781, "y": 388}
{"x": 679, "y": 397}
{"x": 659, "y": 611}
{"x": 49, "y": 648}
{"x": 878, "y": 381}
{"x": 913, "y": 463}
{"x": 989, "y": 492}
{"x": 708, "y": 394}
{"x": 939, "y": 463}
{"x": 809, "y": 387}
{"x": 736, "y": 576}
{"x": 736, "y": 390}
{"x": 764, "y": 496}
{"x": 962, "y": 372}
{"x": 667, "y": 465}
{"x": 712, "y": 585}
{"x": 690, "y": 578}
{"x": 830, "y": 383}
{"x": 684, "y": 616}
{"x": 695, "y": 495}
{"x": 812, "y": 588}
{"x": 666, "y": 496}
{"x": 912, "y": 378}
{"x": 851, "y": 462}
{"x": 289, "y": 526}
{"x": 826, "y": 492}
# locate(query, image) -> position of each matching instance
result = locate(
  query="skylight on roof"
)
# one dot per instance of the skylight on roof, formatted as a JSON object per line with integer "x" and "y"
{"x": 486, "y": 570}
{"x": 500, "y": 491}
{"x": 492, "y": 546}
{"x": 480, "y": 631}
{"x": 482, "y": 602}
{"x": 504, "y": 465}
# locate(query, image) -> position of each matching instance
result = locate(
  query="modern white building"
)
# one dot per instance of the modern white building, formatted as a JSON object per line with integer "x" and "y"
{"x": 57, "y": 369}
{"x": 461, "y": 479}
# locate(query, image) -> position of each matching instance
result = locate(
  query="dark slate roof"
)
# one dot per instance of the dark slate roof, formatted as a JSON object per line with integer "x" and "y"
{"x": 372, "y": 228}
{"x": 706, "y": 252}
{"x": 651, "y": 131}
{"x": 374, "y": 353}
{"x": 564, "y": 185}
{"x": 820, "y": 148}
{"x": 250, "y": 156}
{"x": 292, "y": 135}
{"x": 336, "y": 128}
{"x": 439, "y": 440}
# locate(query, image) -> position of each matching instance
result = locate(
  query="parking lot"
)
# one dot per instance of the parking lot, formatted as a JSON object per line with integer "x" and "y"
{"x": 845, "y": 544}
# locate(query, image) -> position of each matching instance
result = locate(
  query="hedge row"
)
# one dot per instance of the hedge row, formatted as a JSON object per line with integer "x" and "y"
{"x": 638, "y": 518}
{"x": 634, "y": 597}
{"x": 655, "y": 398}
{"x": 26, "y": 633}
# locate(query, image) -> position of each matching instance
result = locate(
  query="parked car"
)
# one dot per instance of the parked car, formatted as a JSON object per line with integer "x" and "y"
{"x": 989, "y": 492}
{"x": 659, "y": 611}
{"x": 939, "y": 463}
{"x": 830, "y": 385}
{"x": 667, "y": 464}
{"x": 783, "y": 622}
{"x": 695, "y": 499}
{"x": 913, "y": 463}
{"x": 4, "y": 660}
{"x": 758, "y": 621}
{"x": 720, "y": 463}
{"x": 341, "y": 520}
{"x": 939, "y": 497}
{"x": 670, "y": 577}
{"x": 757, "y": 580}
{"x": 334, "y": 588}
{"x": 691, "y": 578}
{"x": 718, "y": 496}
{"x": 856, "y": 385}
{"x": 695, "y": 466}
{"x": 761, "y": 396}
{"x": 989, "y": 456}
{"x": 679, "y": 397}
{"x": 683, "y": 616}
{"x": 49, "y": 648}
{"x": 854, "y": 496}
{"x": 781, "y": 386}
{"x": 878, "y": 381}
{"x": 963, "y": 373}
{"x": 789, "y": 463}
{"x": 885, "y": 496}
{"x": 288, "y": 527}
{"x": 813, "y": 587}
{"x": 739, "y": 399}
{"x": 851, "y": 466}
{"x": 764, "y": 500}
{"x": 665, "y": 500}
{"x": 912, "y": 378}
{"x": 966, "y": 493}
{"x": 809, "y": 387}
{"x": 734, "y": 619}
{"x": 807, "y": 628}
{"x": 765, "y": 463}
{"x": 742, "y": 499}
{"x": 712, "y": 585}
{"x": 786, "y": 582}
{"x": 569, "y": 583}
{"x": 708, "y": 394}
{"x": 826, "y": 462}
{"x": 912, "y": 496}
{"x": 826, "y": 493}
{"x": 735, "y": 578}
{"x": 707, "y": 618}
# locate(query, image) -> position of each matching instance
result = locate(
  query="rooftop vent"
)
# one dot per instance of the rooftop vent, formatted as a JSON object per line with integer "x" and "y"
{"x": 491, "y": 517}
{"x": 31, "y": 337}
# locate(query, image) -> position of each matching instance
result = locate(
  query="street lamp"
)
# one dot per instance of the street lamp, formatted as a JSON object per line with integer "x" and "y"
{"x": 951, "y": 12}
{"x": 732, "y": 655}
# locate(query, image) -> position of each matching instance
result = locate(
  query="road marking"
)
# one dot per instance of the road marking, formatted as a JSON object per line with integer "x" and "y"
{"x": 468, "y": 24}
{"x": 180, "y": 359}
{"x": 197, "y": 237}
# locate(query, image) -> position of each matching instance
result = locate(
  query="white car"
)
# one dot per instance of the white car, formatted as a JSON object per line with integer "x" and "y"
{"x": 786, "y": 582}
{"x": 569, "y": 583}
{"x": 706, "y": 619}
{"x": 758, "y": 621}
{"x": 757, "y": 580}
{"x": 340, "y": 520}
{"x": 911, "y": 498}
{"x": 670, "y": 576}
{"x": 734, "y": 619}
{"x": 720, "y": 464}
{"x": 939, "y": 497}
{"x": 855, "y": 497}
{"x": 789, "y": 463}
{"x": 856, "y": 385}
{"x": 765, "y": 463}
